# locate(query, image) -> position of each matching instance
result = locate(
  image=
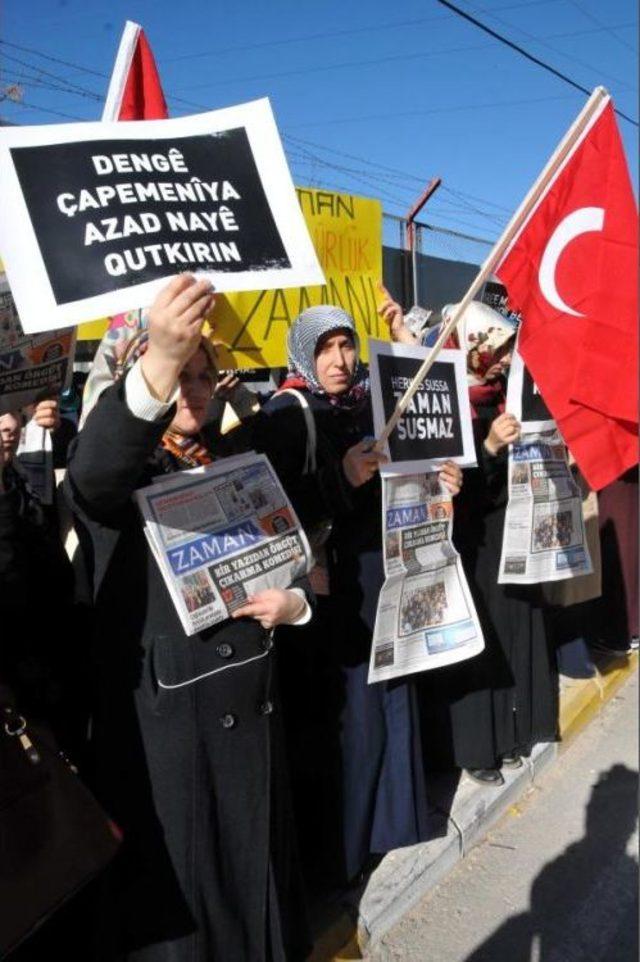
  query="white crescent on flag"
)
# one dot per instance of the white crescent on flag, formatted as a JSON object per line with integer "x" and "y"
{"x": 581, "y": 221}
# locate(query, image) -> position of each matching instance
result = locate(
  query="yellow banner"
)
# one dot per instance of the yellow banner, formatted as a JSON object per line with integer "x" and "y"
{"x": 92, "y": 330}
{"x": 347, "y": 234}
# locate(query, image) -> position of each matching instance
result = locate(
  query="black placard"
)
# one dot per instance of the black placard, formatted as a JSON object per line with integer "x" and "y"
{"x": 77, "y": 269}
{"x": 533, "y": 406}
{"x": 431, "y": 426}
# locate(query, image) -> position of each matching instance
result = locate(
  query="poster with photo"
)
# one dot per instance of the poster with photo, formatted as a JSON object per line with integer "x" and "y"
{"x": 437, "y": 423}
{"x": 95, "y": 217}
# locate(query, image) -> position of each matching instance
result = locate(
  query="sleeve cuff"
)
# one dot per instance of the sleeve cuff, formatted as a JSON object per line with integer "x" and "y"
{"x": 140, "y": 401}
{"x": 305, "y": 617}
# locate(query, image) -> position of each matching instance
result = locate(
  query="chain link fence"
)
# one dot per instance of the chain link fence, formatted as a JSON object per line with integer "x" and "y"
{"x": 439, "y": 269}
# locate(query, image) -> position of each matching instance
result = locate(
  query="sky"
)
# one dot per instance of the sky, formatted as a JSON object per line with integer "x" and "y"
{"x": 372, "y": 98}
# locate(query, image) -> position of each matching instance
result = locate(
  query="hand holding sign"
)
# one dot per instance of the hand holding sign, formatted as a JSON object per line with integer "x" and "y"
{"x": 361, "y": 462}
{"x": 451, "y": 476}
{"x": 504, "y": 430}
{"x": 226, "y": 386}
{"x": 175, "y": 326}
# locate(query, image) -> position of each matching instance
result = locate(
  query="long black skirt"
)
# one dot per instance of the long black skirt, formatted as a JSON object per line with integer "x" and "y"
{"x": 506, "y": 698}
{"x": 354, "y": 749}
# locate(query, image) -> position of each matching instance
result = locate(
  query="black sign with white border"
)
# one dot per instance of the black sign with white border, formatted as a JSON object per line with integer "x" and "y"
{"x": 95, "y": 217}
{"x": 437, "y": 423}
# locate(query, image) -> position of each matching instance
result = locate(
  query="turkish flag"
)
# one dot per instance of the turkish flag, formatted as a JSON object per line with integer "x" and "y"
{"x": 572, "y": 272}
{"x": 135, "y": 92}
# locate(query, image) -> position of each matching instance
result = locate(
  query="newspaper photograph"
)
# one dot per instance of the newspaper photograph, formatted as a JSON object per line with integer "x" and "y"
{"x": 426, "y": 617}
{"x": 221, "y": 533}
{"x": 544, "y": 532}
{"x": 30, "y": 364}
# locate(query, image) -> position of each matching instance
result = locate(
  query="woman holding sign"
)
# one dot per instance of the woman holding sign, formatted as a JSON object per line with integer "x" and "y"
{"x": 498, "y": 705}
{"x": 364, "y": 781}
{"x": 186, "y": 730}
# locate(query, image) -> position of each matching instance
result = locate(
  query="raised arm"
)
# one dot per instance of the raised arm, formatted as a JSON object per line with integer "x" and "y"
{"x": 108, "y": 458}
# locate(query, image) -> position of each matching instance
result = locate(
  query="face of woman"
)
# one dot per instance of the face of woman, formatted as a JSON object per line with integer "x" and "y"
{"x": 501, "y": 362}
{"x": 197, "y": 382}
{"x": 9, "y": 435}
{"x": 335, "y": 362}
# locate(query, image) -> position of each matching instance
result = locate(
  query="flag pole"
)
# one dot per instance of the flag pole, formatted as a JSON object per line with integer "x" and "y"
{"x": 596, "y": 102}
{"x": 121, "y": 67}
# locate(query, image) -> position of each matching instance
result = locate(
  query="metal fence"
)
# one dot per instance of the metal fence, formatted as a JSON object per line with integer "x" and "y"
{"x": 440, "y": 267}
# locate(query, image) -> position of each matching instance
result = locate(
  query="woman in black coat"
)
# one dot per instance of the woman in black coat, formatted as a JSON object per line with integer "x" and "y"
{"x": 39, "y": 654}
{"x": 488, "y": 711}
{"x": 362, "y": 740}
{"x": 186, "y": 732}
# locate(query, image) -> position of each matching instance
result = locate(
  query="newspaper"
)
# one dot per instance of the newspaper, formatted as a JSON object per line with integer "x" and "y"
{"x": 30, "y": 364}
{"x": 221, "y": 533}
{"x": 544, "y": 532}
{"x": 426, "y": 617}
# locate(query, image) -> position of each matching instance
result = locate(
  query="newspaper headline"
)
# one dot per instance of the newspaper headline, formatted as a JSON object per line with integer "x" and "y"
{"x": 220, "y": 534}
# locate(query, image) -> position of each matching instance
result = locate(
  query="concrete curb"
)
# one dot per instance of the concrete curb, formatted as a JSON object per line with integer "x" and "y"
{"x": 406, "y": 875}
{"x": 582, "y": 700}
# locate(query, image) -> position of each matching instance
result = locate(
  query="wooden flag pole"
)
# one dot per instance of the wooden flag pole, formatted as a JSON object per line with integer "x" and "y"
{"x": 596, "y": 102}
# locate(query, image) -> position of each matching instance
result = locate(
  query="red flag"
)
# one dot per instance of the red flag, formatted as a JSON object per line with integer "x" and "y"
{"x": 572, "y": 272}
{"x": 135, "y": 92}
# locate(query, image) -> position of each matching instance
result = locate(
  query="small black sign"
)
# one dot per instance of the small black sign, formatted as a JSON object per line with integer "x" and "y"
{"x": 431, "y": 426}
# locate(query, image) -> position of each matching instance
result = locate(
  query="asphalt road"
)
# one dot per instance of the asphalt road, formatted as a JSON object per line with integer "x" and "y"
{"x": 557, "y": 879}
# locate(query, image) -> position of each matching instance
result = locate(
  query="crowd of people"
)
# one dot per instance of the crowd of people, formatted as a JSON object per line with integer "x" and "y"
{"x": 250, "y": 766}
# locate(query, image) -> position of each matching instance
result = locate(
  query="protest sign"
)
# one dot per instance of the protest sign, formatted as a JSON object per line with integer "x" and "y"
{"x": 96, "y": 217}
{"x": 436, "y": 425}
{"x": 346, "y": 231}
{"x": 30, "y": 364}
{"x": 524, "y": 400}
{"x": 221, "y": 533}
{"x": 347, "y": 235}
{"x": 425, "y": 617}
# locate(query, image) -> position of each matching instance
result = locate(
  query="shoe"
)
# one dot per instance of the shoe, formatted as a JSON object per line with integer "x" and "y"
{"x": 512, "y": 760}
{"x": 603, "y": 649}
{"x": 486, "y": 776}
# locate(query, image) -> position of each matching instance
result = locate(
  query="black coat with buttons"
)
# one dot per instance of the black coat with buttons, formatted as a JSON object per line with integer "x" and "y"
{"x": 188, "y": 757}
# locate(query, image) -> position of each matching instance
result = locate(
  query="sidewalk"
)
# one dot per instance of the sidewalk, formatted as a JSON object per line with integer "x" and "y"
{"x": 464, "y": 812}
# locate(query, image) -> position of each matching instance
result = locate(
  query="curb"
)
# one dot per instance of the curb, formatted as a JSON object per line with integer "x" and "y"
{"x": 581, "y": 701}
{"x": 406, "y": 875}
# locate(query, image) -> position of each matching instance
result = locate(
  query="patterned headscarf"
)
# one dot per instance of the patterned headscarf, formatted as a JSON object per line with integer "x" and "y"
{"x": 305, "y": 333}
{"x": 123, "y": 329}
{"x": 481, "y": 332}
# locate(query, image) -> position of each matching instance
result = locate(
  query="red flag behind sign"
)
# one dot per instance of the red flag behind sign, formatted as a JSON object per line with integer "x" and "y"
{"x": 572, "y": 272}
{"x": 135, "y": 92}
{"x": 142, "y": 97}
